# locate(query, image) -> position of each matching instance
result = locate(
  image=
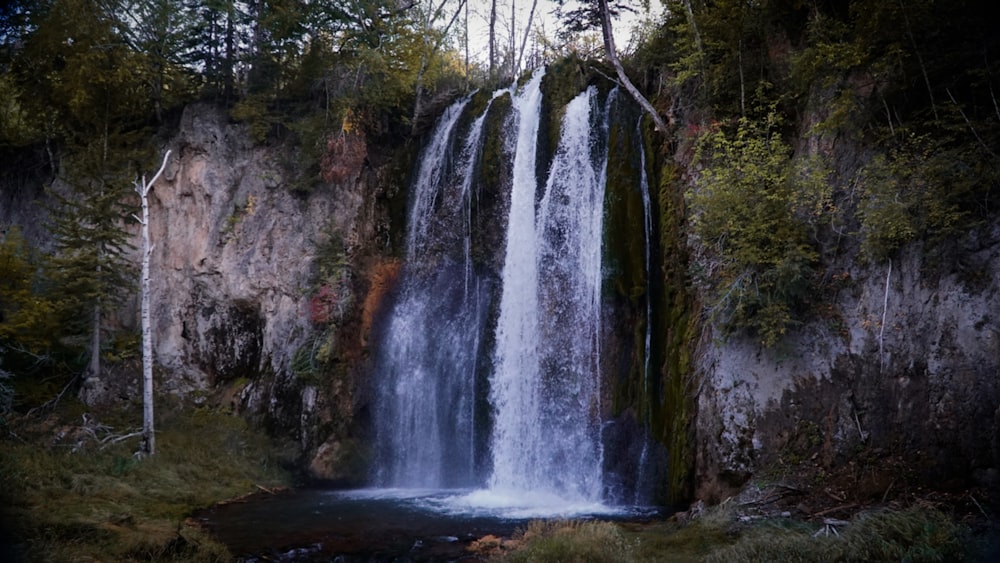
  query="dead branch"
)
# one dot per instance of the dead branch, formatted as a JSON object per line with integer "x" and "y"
{"x": 52, "y": 403}
{"x": 830, "y": 526}
{"x": 612, "y": 53}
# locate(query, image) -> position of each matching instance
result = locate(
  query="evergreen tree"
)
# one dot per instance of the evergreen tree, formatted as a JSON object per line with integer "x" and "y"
{"x": 157, "y": 31}
{"x": 27, "y": 314}
{"x": 92, "y": 106}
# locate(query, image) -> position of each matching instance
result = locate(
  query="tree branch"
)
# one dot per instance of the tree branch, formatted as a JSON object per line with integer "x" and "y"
{"x": 612, "y": 53}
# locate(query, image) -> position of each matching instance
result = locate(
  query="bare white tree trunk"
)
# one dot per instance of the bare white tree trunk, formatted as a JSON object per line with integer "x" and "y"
{"x": 527, "y": 31}
{"x": 612, "y": 52}
{"x": 694, "y": 27}
{"x": 148, "y": 436}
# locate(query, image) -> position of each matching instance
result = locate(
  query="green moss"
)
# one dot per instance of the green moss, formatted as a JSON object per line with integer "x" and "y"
{"x": 494, "y": 158}
{"x": 625, "y": 277}
{"x": 624, "y": 236}
{"x": 396, "y": 189}
{"x": 489, "y": 196}
{"x": 476, "y": 106}
{"x": 679, "y": 335}
{"x": 662, "y": 399}
{"x": 563, "y": 81}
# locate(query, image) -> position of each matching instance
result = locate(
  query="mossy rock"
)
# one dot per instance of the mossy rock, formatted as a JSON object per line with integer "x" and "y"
{"x": 491, "y": 194}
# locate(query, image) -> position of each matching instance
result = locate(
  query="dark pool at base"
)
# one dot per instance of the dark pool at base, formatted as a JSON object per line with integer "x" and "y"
{"x": 315, "y": 525}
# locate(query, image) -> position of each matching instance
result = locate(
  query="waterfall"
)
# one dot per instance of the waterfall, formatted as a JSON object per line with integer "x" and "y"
{"x": 425, "y": 398}
{"x": 539, "y": 309}
{"x": 545, "y": 386}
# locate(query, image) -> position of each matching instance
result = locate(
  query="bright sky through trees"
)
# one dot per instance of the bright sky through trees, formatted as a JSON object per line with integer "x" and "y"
{"x": 544, "y": 21}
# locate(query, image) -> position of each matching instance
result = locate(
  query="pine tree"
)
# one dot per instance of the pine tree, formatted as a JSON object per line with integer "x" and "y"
{"x": 92, "y": 107}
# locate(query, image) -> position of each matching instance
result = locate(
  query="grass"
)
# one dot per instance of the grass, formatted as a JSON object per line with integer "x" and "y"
{"x": 70, "y": 500}
{"x": 914, "y": 535}
{"x": 570, "y": 541}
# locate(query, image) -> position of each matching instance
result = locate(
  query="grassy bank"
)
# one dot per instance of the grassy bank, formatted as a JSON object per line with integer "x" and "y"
{"x": 719, "y": 535}
{"x": 72, "y": 493}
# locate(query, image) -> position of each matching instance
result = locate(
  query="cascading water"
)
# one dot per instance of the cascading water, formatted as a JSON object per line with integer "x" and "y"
{"x": 488, "y": 369}
{"x": 543, "y": 435}
{"x": 426, "y": 399}
{"x": 545, "y": 386}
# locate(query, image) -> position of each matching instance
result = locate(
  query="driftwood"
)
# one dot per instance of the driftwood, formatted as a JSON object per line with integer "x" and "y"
{"x": 830, "y": 526}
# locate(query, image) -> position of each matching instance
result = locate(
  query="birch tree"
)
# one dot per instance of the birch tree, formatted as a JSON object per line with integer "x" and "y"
{"x": 148, "y": 437}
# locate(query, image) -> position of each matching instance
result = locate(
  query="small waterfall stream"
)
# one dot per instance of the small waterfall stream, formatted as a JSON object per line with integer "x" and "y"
{"x": 540, "y": 314}
{"x": 642, "y": 481}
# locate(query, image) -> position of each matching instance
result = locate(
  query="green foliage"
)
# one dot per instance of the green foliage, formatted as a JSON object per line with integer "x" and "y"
{"x": 332, "y": 296}
{"x": 750, "y": 211}
{"x": 27, "y": 314}
{"x": 313, "y": 362}
{"x": 254, "y": 112}
{"x": 78, "y": 89}
{"x": 17, "y": 128}
{"x": 90, "y": 268}
{"x": 577, "y": 541}
{"x": 926, "y": 187}
{"x": 77, "y": 75}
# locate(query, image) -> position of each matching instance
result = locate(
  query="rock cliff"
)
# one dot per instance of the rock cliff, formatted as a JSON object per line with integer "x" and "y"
{"x": 902, "y": 369}
{"x": 234, "y": 267}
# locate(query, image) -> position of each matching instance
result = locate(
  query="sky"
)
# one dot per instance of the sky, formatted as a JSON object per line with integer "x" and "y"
{"x": 479, "y": 11}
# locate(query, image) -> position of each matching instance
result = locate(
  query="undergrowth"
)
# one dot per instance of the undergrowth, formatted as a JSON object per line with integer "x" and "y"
{"x": 70, "y": 498}
{"x": 576, "y": 541}
{"x": 913, "y": 534}
{"x": 717, "y": 536}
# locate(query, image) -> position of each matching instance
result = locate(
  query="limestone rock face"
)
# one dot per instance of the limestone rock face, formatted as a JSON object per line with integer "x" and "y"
{"x": 234, "y": 260}
{"x": 923, "y": 387}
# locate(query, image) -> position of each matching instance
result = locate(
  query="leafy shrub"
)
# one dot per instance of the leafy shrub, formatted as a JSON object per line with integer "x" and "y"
{"x": 28, "y": 316}
{"x": 750, "y": 209}
{"x": 345, "y": 154}
{"x": 926, "y": 187}
{"x": 254, "y": 112}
